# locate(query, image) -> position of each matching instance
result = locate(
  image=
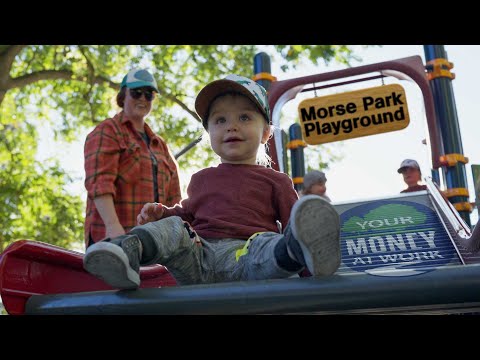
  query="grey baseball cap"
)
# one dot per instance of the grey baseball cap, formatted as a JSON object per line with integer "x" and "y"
{"x": 408, "y": 163}
{"x": 313, "y": 177}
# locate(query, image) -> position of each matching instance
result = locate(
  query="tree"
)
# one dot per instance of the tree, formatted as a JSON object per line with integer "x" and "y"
{"x": 71, "y": 87}
{"x": 33, "y": 202}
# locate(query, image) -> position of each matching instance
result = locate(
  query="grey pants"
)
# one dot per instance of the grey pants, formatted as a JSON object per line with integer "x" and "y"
{"x": 197, "y": 260}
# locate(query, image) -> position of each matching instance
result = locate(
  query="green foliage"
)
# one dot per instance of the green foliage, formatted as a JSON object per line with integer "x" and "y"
{"x": 33, "y": 203}
{"x": 72, "y": 88}
{"x": 296, "y": 54}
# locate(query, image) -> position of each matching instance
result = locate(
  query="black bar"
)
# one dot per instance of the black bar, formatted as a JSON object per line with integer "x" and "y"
{"x": 188, "y": 147}
{"x": 447, "y": 287}
{"x": 343, "y": 83}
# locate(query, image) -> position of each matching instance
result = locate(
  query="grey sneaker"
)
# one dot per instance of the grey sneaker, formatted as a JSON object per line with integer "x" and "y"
{"x": 313, "y": 235}
{"x": 116, "y": 261}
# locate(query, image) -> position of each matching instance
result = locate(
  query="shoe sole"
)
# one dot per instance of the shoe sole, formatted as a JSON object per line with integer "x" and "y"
{"x": 316, "y": 226}
{"x": 108, "y": 262}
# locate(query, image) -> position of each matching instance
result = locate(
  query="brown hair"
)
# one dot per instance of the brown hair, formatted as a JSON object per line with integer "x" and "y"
{"x": 121, "y": 96}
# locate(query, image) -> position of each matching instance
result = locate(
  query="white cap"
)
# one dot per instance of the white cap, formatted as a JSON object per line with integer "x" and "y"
{"x": 408, "y": 163}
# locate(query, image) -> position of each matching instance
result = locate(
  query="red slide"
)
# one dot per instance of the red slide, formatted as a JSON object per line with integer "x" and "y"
{"x": 35, "y": 268}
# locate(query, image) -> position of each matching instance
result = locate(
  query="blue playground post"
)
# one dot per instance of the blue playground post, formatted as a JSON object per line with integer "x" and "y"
{"x": 453, "y": 161}
{"x": 262, "y": 75}
{"x": 262, "y": 70}
{"x": 296, "y": 145}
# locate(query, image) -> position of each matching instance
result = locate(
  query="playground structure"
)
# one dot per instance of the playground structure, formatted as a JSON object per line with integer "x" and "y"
{"x": 440, "y": 110}
{"x": 393, "y": 247}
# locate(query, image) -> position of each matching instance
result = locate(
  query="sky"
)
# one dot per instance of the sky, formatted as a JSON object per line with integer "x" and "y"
{"x": 368, "y": 168}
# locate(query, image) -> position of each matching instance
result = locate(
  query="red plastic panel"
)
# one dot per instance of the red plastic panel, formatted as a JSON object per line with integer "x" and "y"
{"x": 36, "y": 268}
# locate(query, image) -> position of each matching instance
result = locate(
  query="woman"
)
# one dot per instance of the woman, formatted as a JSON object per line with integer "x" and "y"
{"x": 126, "y": 164}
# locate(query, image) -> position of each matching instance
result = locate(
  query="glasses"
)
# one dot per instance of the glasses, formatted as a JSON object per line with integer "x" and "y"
{"x": 137, "y": 94}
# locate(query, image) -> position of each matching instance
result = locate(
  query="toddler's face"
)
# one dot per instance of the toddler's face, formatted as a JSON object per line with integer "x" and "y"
{"x": 236, "y": 128}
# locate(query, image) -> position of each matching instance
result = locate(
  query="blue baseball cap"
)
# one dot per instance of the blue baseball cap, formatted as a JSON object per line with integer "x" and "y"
{"x": 139, "y": 78}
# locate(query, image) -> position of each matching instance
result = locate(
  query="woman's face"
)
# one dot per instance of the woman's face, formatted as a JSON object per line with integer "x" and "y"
{"x": 138, "y": 102}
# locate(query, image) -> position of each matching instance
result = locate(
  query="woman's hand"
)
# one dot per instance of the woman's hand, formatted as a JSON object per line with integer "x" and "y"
{"x": 150, "y": 212}
{"x": 114, "y": 230}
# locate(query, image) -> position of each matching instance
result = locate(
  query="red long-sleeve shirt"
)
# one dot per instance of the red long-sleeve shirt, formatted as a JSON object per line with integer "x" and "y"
{"x": 118, "y": 162}
{"x": 236, "y": 201}
{"x": 414, "y": 188}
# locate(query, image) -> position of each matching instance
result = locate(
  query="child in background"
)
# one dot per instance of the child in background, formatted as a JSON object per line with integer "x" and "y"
{"x": 314, "y": 182}
{"x": 412, "y": 175}
{"x": 226, "y": 229}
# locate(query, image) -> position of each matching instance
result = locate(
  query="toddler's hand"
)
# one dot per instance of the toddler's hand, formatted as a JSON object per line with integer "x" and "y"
{"x": 150, "y": 212}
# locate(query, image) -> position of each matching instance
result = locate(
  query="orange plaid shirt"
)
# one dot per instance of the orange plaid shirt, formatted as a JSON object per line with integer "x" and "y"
{"x": 118, "y": 162}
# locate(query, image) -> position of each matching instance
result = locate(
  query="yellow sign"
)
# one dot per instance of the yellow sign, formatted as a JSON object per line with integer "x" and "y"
{"x": 353, "y": 114}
